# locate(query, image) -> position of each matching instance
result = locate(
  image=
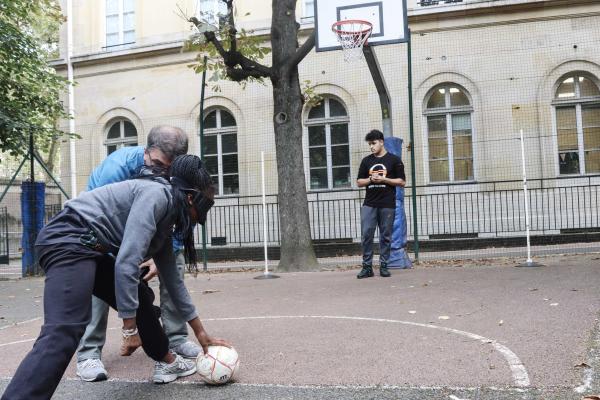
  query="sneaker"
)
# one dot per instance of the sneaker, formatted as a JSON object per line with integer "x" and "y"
{"x": 165, "y": 373}
{"x": 187, "y": 349}
{"x": 91, "y": 370}
{"x": 383, "y": 271}
{"x": 365, "y": 272}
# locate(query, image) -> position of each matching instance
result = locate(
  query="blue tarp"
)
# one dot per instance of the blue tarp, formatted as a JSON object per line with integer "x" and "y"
{"x": 33, "y": 196}
{"x": 398, "y": 256}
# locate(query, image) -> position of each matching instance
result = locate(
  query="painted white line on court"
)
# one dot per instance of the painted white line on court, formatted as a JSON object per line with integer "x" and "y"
{"x": 17, "y": 342}
{"x": 20, "y": 323}
{"x": 519, "y": 373}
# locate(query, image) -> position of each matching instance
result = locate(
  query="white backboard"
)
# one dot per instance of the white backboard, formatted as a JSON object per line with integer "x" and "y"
{"x": 387, "y": 16}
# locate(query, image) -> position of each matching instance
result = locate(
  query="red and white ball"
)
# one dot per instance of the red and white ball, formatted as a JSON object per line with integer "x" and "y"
{"x": 218, "y": 365}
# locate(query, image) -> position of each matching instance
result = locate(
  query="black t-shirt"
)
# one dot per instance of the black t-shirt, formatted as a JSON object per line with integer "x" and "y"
{"x": 390, "y": 166}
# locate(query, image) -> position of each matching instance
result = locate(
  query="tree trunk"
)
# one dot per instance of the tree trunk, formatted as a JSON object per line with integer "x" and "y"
{"x": 297, "y": 252}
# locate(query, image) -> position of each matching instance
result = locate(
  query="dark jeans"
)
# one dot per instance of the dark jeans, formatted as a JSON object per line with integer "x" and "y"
{"x": 73, "y": 273}
{"x": 370, "y": 218}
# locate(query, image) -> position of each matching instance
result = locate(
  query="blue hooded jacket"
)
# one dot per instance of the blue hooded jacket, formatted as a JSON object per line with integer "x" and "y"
{"x": 121, "y": 165}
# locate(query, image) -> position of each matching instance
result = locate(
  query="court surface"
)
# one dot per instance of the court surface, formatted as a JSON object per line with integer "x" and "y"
{"x": 463, "y": 330}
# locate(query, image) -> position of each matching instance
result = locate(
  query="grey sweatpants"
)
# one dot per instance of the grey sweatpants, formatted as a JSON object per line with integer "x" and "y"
{"x": 93, "y": 339}
{"x": 370, "y": 218}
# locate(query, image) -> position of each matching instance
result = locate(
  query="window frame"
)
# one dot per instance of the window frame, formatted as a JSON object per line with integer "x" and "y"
{"x": 327, "y": 121}
{"x": 579, "y": 102}
{"x": 218, "y": 6}
{"x": 448, "y": 111}
{"x": 121, "y": 29}
{"x": 122, "y": 140}
{"x": 219, "y": 131}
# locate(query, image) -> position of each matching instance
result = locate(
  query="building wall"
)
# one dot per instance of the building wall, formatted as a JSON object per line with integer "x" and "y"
{"x": 508, "y": 55}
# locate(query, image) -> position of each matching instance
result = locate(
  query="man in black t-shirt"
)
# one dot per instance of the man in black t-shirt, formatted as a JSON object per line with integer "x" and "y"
{"x": 380, "y": 173}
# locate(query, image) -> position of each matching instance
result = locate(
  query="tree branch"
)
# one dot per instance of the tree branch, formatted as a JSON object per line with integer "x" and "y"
{"x": 232, "y": 59}
{"x": 302, "y": 52}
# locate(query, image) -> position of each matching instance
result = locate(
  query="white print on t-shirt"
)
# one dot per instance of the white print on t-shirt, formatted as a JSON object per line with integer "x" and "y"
{"x": 378, "y": 169}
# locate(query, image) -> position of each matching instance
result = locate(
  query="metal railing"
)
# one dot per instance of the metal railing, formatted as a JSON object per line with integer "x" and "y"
{"x": 474, "y": 209}
{"x": 3, "y": 235}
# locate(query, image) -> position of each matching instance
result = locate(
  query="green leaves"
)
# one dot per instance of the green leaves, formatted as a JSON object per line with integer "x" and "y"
{"x": 29, "y": 87}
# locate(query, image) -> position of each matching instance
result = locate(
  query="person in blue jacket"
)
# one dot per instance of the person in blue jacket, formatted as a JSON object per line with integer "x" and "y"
{"x": 95, "y": 246}
{"x": 164, "y": 143}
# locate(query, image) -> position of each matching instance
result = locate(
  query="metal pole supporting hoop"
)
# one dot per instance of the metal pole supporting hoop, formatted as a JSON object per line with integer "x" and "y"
{"x": 352, "y": 34}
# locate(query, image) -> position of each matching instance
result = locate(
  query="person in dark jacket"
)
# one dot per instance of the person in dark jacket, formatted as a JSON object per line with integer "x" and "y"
{"x": 132, "y": 220}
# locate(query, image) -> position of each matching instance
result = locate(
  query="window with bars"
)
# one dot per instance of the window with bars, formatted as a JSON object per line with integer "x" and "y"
{"x": 220, "y": 150}
{"x": 120, "y": 22}
{"x": 449, "y": 134}
{"x": 120, "y": 133}
{"x": 212, "y": 11}
{"x": 308, "y": 9}
{"x": 577, "y": 110}
{"x": 328, "y": 145}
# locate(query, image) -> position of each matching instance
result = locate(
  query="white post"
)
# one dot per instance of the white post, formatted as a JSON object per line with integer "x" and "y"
{"x": 264, "y": 200}
{"x": 529, "y": 261}
{"x": 72, "y": 162}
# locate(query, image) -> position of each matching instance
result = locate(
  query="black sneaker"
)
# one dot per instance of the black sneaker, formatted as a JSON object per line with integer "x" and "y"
{"x": 365, "y": 272}
{"x": 383, "y": 271}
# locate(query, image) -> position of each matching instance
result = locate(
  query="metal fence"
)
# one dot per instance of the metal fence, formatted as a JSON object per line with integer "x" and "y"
{"x": 3, "y": 235}
{"x": 483, "y": 209}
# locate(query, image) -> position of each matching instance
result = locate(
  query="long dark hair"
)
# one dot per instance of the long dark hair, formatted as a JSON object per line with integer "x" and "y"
{"x": 190, "y": 174}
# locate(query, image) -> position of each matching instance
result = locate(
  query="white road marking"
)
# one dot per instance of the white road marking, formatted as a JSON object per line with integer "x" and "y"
{"x": 518, "y": 371}
{"x": 20, "y": 323}
{"x": 17, "y": 342}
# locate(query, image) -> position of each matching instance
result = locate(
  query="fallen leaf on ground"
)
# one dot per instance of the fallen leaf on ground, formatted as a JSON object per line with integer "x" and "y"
{"x": 533, "y": 289}
{"x": 209, "y": 291}
{"x": 582, "y": 365}
{"x": 591, "y": 398}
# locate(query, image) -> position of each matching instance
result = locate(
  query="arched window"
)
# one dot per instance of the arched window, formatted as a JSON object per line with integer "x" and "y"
{"x": 120, "y": 133}
{"x": 221, "y": 151}
{"x": 328, "y": 145}
{"x": 449, "y": 134}
{"x": 577, "y": 106}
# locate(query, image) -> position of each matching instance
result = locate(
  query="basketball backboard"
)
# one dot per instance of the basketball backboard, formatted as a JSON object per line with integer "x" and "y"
{"x": 387, "y": 16}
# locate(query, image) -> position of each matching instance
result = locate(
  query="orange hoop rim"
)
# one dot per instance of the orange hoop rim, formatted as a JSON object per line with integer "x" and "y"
{"x": 339, "y": 31}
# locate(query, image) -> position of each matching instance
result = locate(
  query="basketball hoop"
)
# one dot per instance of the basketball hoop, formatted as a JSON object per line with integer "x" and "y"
{"x": 352, "y": 34}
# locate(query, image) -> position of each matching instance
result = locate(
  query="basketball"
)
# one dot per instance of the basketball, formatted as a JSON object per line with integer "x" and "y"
{"x": 219, "y": 365}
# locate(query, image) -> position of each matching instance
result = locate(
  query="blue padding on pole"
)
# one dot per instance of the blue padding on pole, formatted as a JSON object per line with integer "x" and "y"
{"x": 398, "y": 256}
{"x": 33, "y": 196}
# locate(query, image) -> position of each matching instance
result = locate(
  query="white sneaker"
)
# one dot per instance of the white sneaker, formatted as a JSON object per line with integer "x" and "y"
{"x": 188, "y": 350}
{"x": 165, "y": 373}
{"x": 91, "y": 370}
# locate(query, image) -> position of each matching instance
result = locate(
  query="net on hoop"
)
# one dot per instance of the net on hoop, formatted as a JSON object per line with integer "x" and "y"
{"x": 352, "y": 34}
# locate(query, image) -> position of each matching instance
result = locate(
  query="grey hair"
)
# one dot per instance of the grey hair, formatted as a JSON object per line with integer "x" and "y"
{"x": 169, "y": 139}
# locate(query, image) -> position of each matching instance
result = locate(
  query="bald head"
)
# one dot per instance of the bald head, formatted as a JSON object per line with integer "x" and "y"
{"x": 172, "y": 141}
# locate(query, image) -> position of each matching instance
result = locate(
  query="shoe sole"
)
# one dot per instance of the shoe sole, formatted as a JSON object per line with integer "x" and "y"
{"x": 172, "y": 377}
{"x": 98, "y": 378}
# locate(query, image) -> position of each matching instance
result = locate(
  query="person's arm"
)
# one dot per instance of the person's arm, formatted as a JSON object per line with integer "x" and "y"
{"x": 173, "y": 282}
{"x": 363, "y": 179}
{"x": 149, "y": 206}
{"x": 171, "y": 278}
{"x": 400, "y": 178}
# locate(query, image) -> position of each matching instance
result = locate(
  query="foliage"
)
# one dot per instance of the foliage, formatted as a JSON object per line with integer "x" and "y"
{"x": 29, "y": 86}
